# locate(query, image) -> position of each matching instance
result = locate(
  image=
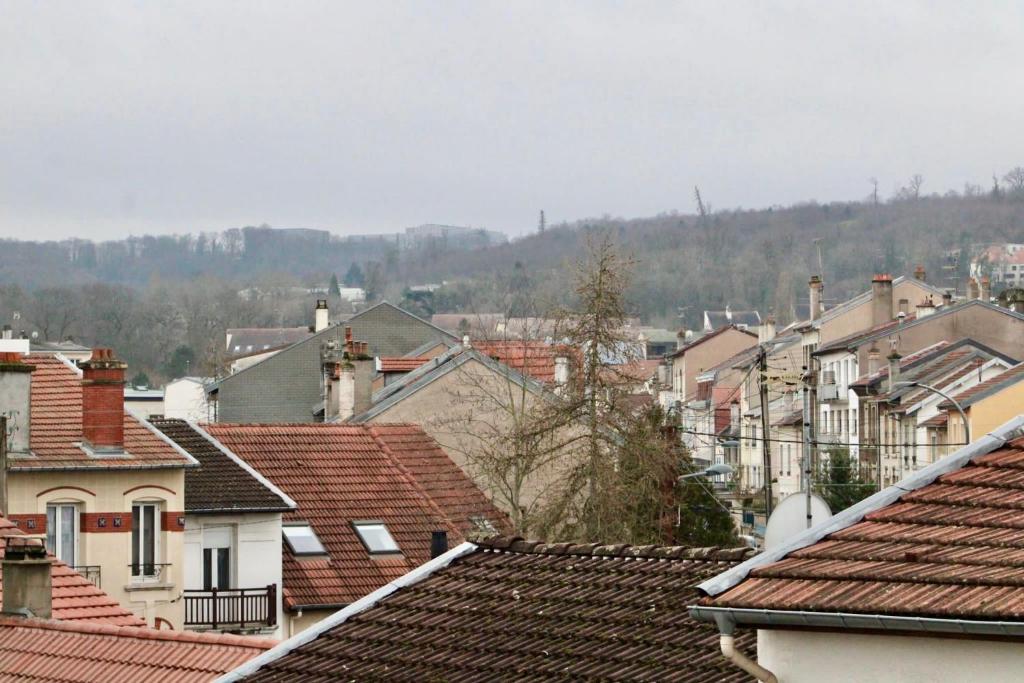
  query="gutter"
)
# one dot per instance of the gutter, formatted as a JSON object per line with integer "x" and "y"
{"x": 846, "y": 620}
{"x": 727, "y": 643}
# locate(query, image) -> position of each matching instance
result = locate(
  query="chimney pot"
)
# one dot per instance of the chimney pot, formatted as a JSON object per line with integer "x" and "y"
{"x": 815, "y": 286}
{"x": 438, "y": 543}
{"x": 894, "y": 369}
{"x": 919, "y": 273}
{"x": 321, "y": 316}
{"x": 985, "y": 290}
{"x": 881, "y": 299}
{"x": 28, "y": 583}
{"x": 103, "y": 401}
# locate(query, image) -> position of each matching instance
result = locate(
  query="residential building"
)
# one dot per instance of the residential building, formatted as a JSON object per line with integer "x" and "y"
{"x": 704, "y": 353}
{"x": 916, "y": 583}
{"x": 143, "y": 400}
{"x": 233, "y": 538}
{"x": 288, "y": 386}
{"x": 508, "y": 609}
{"x": 185, "y": 399}
{"x": 105, "y": 486}
{"x": 373, "y": 500}
{"x": 985, "y": 404}
{"x": 745, "y": 320}
{"x": 1003, "y": 263}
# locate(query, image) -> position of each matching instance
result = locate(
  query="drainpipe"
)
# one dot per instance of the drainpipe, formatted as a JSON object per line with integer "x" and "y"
{"x": 727, "y": 642}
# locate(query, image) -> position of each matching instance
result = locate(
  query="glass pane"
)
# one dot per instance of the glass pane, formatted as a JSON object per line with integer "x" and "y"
{"x": 377, "y": 538}
{"x": 207, "y": 569}
{"x": 51, "y": 529}
{"x": 302, "y": 540}
{"x": 223, "y": 568}
{"x": 149, "y": 538}
{"x": 136, "y": 517}
{"x": 67, "y": 534}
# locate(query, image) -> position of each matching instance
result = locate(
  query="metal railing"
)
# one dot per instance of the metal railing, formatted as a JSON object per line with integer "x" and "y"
{"x": 90, "y": 572}
{"x": 149, "y": 572}
{"x": 231, "y": 608}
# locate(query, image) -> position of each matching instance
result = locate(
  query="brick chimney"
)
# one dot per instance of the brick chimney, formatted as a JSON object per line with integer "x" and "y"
{"x": 881, "y": 299}
{"x": 321, "y": 316}
{"x": 103, "y": 401}
{"x": 15, "y": 400}
{"x": 973, "y": 291}
{"x": 919, "y": 273}
{"x": 985, "y": 289}
{"x": 28, "y": 583}
{"x": 348, "y": 378}
{"x": 816, "y": 286}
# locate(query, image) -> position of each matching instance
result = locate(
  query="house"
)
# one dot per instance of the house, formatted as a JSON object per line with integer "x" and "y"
{"x": 185, "y": 399}
{"x": 985, "y": 404}
{"x": 233, "y": 538}
{"x": 106, "y": 487}
{"x": 919, "y": 582}
{"x": 143, "y": 400}
{"x": 373, "y": 500}
{"x": 703, "y": 354}
{"x": 508, "y": 609}
{"x": 1004, "y": 263}
{"x": 469, "y": 403}
{"x": 745, "y": 320}
{"x": 288, "y": 387}
{"x": 75, "y": 595}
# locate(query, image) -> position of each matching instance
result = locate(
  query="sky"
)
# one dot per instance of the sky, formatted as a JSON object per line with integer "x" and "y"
{"x": 121, "y": 118}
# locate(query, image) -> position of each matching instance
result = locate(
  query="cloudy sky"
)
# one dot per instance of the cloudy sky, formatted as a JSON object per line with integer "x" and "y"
{"x": 122, "y": 118}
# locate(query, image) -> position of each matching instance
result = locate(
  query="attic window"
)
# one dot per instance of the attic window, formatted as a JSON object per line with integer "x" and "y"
{"x": 376, "y": 537}
{"x": 303, "y": 540}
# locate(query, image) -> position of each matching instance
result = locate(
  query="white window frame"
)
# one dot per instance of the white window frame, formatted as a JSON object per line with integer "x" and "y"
{"x": 57, "y": 528}
{"x": 357, "y": 526}
{"x": 142, "y": 577}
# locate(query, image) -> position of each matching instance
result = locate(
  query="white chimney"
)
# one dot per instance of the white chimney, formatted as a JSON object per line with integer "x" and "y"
{"x": 766, "y": 332}
{"x": 925, "y": 308}
{"x": 321, "y": 316}
{"x": 561, "y": 371}
{"x": 15, "y": 394}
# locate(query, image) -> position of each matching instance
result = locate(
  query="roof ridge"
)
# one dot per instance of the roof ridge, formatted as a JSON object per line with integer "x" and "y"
{"x": 139, "y": 632}
{"x": 516, "y": 544}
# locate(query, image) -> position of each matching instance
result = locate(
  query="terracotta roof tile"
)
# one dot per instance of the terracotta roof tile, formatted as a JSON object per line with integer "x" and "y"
{"x": 951, "y": 549}
{"x": 342, "y": 473}
{"x": 72, "y": 652}
{"x": 519, "y": 610}
{"x": 533, "y": 358}
{"x": 401, "y": 363}
{"x": 988, "y": 387}
{"x": 56, "y": 428}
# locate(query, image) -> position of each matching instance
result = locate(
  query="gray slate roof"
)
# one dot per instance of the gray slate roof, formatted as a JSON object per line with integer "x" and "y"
{"x": 286, "y": 386}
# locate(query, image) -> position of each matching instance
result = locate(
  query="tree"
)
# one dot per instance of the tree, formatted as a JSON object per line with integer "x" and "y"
{"x": 1015, "y": 181}
{"x": 334, "y": 288}
{"x": 354, "y": 276}
{"x": 140, "y": 379}
{"x": 839, "y": 481}
{"x": 181, "y": 361}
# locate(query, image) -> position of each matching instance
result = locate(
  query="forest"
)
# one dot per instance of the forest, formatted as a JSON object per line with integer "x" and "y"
{"x": 163, "y": 300}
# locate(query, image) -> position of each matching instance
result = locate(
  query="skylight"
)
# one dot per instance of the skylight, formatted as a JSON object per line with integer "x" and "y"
{"x": 376, "y": 537}
{"x": 303, "y": 540}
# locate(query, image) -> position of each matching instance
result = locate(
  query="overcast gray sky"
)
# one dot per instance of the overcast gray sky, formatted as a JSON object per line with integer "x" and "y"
{"x": 122, "y": 118}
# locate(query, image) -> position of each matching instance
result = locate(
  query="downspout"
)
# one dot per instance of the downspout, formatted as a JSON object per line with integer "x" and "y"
{"x": 727, "y": 641}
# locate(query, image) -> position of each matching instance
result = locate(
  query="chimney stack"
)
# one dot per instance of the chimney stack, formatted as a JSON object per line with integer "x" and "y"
{"x": 767, "y": 330}
{"x": 8, "y": 333}
{"x": 894, "y": 369}
{"x": 348, "y": 378}
{"x": 15, "y": 400}
{"x": 985, "y": 290}
{"x": 873, "y": 357}
{"x": 438, "y": 543}
{"x": 816, "y": 286}
{"x": 28, "y": 584}
{"x": 321, "y": 316}
{"x": 103, "y": 401}
{"x": 919, "y": 273}
{"x": 561, "y": 370}
{"x": 973, "y": 291}
{"x": 947, "y": 298}
{"x": 881, "y": 299}
{"x": 925, "y": 308}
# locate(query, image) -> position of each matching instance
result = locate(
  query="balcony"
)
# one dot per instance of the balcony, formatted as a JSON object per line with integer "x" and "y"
{"x": 231, "y": 609}
{"x": 90, "y": 572}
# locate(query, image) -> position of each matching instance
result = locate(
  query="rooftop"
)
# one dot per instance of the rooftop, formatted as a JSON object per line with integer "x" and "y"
{"x": 508, "y": 609}
{"x": 339, "y": 474}
{"x": 708, "y": 337}
{"x": 988, "y": 388}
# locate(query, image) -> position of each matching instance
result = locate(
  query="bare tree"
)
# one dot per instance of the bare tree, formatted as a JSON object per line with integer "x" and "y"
{"x": 1015, "y": 181}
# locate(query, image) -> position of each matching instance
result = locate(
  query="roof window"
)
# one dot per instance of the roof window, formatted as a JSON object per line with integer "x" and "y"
{"x": 376, "y": 537}
{"x": 302, "y": 539}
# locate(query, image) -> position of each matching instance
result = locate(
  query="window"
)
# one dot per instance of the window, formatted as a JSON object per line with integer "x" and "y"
{"x": 216, "y": 568}
{"x": 145, "y": 539}
{"x": 376, "y": 537}
{"x": 303, "y": 540}
{"x": 62, "y": 532}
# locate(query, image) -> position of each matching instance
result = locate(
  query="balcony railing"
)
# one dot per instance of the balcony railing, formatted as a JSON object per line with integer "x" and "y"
{"x": 231, "y": 609}
{"x": 90, "y": 572}
{"x": 149, "y": 572}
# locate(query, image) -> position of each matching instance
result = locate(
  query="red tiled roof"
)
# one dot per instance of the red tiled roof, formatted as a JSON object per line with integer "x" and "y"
{"x": 74, "y": 598}
{"x": 883, "y": 372}
{"x": 533, "y": 358}
{"x": 634, "y": 371}
{"x": 514, "y": 610}
{"x": 340, "y": 473}
{"x": 997, "y": 383}
{"x": 56, "y": 428}
{"x": 953, "y": 548}
{"x": 401, "y": 363}
{"x": 75, "y": 652}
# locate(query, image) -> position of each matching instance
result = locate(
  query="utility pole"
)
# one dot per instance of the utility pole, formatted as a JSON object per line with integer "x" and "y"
{"x": 810, "y": 440}
{"x": 3, "y": 465}
{"x": 543, "y": 222}
{"x": 766, "y": 447}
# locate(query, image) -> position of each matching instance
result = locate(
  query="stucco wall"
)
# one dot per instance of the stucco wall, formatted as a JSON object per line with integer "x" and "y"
{"x": 705, "y": 356}
{"x": 807, "y": 657}
{"x": 113, "y": 491}
{"x": 858, "y": 317}
{"x": 295, "y": 623}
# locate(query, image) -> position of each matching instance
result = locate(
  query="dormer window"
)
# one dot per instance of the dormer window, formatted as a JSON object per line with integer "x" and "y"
{"x": 376, "y": 537}
{"x": 302, "y": 539}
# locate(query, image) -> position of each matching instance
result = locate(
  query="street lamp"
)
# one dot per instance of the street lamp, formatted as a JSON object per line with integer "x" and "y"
{"x": 928, "y": 387}
{"x": 719, "y": 468}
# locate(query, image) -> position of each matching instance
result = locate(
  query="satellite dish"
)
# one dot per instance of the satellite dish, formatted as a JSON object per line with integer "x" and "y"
{"x": 790, "y": 518}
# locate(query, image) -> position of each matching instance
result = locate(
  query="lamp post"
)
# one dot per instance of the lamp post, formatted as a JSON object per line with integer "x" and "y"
{"x": 928, "y": 387}
{"x": 716, "y": 469}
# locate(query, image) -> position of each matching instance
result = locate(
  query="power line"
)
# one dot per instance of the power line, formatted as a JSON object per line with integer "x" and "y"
{"x": 830, "y": 443}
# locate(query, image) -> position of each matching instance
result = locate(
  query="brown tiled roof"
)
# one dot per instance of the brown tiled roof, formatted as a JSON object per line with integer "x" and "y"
{"x": 516, "y": 610}
{"x": 74, "y": 597}
{"x": 953, "y": 548}
{"x": 401, "y": 363}
{"x": 936, "y": 420}
{"x": 533, "y": 358}
{"x": 56, "y": 428}
{"x": 342, "y": 473}
{"x": 708, "y": 337}
{"x": 74, "y": 652}
{"x": 219, "y": 483}
{"x": 988, "y": 387}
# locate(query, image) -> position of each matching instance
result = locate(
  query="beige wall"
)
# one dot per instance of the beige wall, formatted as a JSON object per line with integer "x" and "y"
{"x": 705, "y": 356}
{"x": 987, "y": 414}
{"x": 858, "y": 318}
{"x": 295, "y": 623}
{"x": 809, "y": 657}
{"x": 457, "y": 411}
{"x": 112, "y": 491}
